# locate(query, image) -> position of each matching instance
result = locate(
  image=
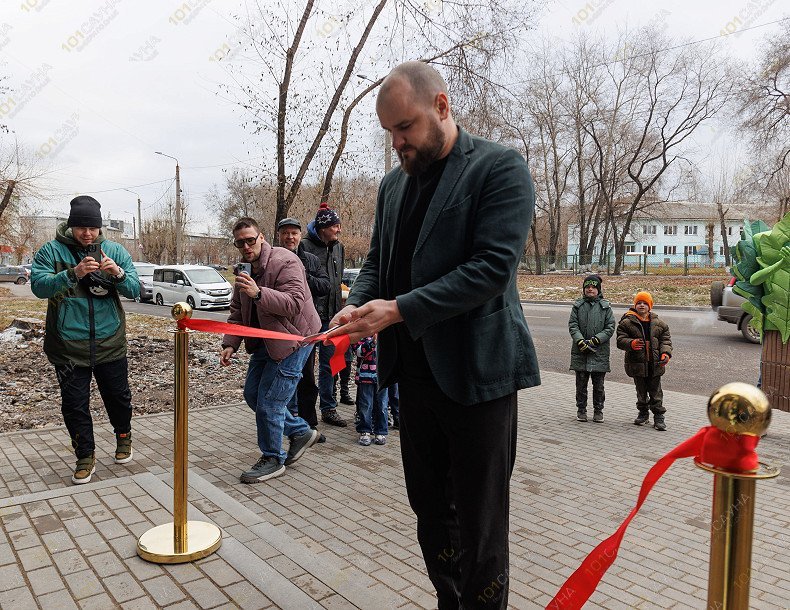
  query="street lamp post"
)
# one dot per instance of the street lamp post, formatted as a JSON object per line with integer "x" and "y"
{"x": 179, "y": 221}
{"x": 139, "y": 216}
{"x": 387, "y": 134}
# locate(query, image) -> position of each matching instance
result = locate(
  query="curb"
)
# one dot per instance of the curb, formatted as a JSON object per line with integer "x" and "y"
{"x": 626, "y": 305}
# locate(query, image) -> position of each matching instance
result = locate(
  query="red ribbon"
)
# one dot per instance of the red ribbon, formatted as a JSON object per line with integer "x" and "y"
{"x": 710, "y": 446}
{"x": 341, "y": 342}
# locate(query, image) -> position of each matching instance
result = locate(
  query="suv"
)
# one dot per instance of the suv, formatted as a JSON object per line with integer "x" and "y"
{"x": 145, "y": 272}
{"x": 199, "y": 286}
{"x": 18, "y": 275}
{"x": 727, "y": 305}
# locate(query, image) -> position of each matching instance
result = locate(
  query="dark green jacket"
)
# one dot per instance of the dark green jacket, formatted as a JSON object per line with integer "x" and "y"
{"x": 465, "y": 305}
{"x": 81, "y": 329}
{"x": 590, "y": 319}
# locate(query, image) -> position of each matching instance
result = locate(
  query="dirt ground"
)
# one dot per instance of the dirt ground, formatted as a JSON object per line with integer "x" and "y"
{"x": 30, "y": 397}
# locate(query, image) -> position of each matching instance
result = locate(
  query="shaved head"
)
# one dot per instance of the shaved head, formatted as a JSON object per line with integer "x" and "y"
{"x": 425, "y": 82}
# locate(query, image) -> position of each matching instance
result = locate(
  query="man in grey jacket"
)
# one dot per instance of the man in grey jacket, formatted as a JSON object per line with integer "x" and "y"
{"x": 439, "y": 286}
{"x": 274, "y": 296}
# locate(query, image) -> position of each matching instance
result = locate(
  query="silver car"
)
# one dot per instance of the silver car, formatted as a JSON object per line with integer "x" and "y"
{"x": 727, "y": 305}
{"x": 18, "y": 275}
{"x": 145, "y": 272}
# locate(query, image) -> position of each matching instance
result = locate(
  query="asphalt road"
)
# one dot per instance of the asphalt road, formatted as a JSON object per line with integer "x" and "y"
{"x": 706, "y": 353}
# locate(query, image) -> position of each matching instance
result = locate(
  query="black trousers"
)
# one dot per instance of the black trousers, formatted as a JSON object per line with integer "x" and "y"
{"x": 582, "y": 377}
{"x": 112, "y": 378}
{"x": 649, "y": 394}
{"x": 457, "y": 462}
{"x": 307, "y": 392}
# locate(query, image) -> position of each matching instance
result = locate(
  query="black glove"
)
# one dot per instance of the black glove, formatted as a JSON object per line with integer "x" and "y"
{"x": 595, "y": 341}
{"x": 583, "y": 345}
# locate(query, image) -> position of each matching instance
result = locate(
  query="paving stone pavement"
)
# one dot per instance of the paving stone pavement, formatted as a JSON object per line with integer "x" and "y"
{"x": 336, "y": 530}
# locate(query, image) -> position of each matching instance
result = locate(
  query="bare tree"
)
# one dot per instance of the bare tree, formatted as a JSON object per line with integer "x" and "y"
{"x": 22, "y": 174}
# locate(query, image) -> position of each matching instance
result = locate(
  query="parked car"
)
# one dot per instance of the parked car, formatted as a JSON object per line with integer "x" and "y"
{"x": 18, "y": 275}
{"x": 727, "y": 305}
{"x": 219, "y": 267}
{"x": 145, "y": 272}
{"x": 349, "y": 275}
{"x": 198, "y": 285}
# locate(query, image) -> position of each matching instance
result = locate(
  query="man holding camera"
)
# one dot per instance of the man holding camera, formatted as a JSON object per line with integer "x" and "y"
{"x": 271, "y": 293}
{"x": 82, "y": 274}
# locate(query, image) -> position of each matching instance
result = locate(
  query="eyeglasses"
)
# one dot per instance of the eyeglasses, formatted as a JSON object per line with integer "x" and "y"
{"x": 250, "y": 241}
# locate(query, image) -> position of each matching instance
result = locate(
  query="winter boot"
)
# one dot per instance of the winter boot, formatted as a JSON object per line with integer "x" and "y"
{"x": 642, "y": 418}
{"x": 658, "y": 422}
{"x": 581, "y": 415}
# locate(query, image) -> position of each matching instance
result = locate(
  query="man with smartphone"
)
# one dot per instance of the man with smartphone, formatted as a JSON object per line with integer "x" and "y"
{"x": 271, "y": 293}
{"x": 83, "y": 274}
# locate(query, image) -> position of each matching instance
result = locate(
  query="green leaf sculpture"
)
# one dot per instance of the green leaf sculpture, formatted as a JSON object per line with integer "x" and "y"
{"x": 773, "y": 250}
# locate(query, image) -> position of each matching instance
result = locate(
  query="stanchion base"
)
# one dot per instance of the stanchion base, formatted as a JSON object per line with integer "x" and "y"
{"x": 157, "y": 545}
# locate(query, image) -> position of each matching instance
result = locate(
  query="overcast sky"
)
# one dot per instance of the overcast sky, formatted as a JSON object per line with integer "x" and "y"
{"x": 98, "y": 85}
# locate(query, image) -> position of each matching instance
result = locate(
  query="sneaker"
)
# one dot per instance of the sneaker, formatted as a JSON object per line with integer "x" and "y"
{"x": 123, "y": 448}
{"x": 581, "y": 415}
{"x": 642, "y": 418}
{"x": 598, "y": 417}
{"x": 84, "y": 470}
{"x": 346, "y": 399}
{"x": 331, "y": 417}
{"x": 380, "y": 439}
{"x": 658, "y": 423}
{"x": 365, "y": 439}
{"x": 300, "y": 444}
{"x": 264, "y": 469}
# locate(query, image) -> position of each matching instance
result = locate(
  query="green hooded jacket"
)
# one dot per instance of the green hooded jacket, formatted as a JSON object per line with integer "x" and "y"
{"x": 82, "y": 329}
{"x": 588, "y": 319}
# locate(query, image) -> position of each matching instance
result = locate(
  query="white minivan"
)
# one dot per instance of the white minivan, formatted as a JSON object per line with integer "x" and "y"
{"x": 200, "y": 286}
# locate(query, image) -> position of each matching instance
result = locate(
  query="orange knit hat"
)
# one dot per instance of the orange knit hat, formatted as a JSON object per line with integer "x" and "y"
{"x": 644, "y": 296}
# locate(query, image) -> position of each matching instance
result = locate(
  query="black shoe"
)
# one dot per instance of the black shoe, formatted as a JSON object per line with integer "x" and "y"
{"x": 581, "y": 415}
{"x": 396, "y": 423}
{"x": 642, "y": 418}
{"x": 331, "y": 417}
{"x": 321, "y": 439}
{"x": 658, "y": 423}
{"x": 598, "y": 417}
{"x": 347, "y": 400}
{"x": 300, "y": 444}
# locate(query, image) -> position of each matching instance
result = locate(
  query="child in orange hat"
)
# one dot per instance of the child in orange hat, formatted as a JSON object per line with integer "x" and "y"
{"x": 648, "y": 347}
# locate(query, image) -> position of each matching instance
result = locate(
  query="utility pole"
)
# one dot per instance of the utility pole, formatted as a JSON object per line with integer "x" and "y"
{"x": 135, "y": 224}
{"x": 178, "y": 212}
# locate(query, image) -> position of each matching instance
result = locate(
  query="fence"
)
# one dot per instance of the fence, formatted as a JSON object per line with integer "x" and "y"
{"x": 653, "y": 264}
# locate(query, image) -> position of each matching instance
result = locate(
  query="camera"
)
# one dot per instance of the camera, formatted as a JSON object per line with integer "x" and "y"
{"x": 244, "y": 268}
{"x": 93, "y": 250}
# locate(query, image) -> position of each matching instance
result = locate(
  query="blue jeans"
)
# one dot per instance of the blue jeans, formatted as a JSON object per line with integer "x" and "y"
{"x": 372, "y": 408}
{"x": 326, "y": 383}
{"x": 267, "y": 390}
{"x": 394, "y": 401}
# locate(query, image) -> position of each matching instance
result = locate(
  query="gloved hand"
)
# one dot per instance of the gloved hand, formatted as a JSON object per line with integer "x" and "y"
{"x": 637, "y": 344}
{"x": 595, "y": 341}
{"x": 664, "y": 359}
{"x": 583, "y": 345}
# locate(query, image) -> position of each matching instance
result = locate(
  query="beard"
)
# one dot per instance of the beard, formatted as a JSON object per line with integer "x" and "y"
{"x": 427, "y": 156}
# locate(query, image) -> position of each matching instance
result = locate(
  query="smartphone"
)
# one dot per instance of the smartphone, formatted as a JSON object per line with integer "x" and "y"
{"x": 93, "y": 250}
{"x": 244, "y": 268}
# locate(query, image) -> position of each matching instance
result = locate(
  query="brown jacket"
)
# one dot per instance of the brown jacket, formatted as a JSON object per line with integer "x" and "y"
{"x": 643, "y": 362}
{"x": 285, "y": 305}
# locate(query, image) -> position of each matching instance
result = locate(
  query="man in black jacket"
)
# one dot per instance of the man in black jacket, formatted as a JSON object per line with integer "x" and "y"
{"x": 289, "y": 234}
{"x": 322, "y": 240}
{"x": 439, "y": 286}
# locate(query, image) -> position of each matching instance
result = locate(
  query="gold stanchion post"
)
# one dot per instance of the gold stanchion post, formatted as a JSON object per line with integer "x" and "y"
{"x": 735, "y": 408}
{"x": 182, "y": 540}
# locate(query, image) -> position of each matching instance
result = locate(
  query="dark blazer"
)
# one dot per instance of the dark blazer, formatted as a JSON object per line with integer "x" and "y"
{"x": 465, "y": 306}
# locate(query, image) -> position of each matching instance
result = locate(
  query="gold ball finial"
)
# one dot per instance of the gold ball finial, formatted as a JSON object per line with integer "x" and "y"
{"x": 181, "y": 311}
{"x": 739, "y": 408}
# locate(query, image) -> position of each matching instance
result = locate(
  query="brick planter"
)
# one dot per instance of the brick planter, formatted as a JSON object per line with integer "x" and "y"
{"x": 776, "y": 370}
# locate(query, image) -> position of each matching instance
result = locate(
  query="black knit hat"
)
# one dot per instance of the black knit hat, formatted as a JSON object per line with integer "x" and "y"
{"x": 85, "y": 212}
{"x": 593, "y": 280}
{"x": 326, "y": 217}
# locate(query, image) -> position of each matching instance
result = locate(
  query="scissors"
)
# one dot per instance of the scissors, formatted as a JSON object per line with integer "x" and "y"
{"x": 317, "y": 336}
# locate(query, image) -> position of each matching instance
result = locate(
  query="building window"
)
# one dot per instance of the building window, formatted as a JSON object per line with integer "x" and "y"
{"x": 670, "y": 249}
{"x": 690, "y": 230}
{"x": 729, "y": 230}
{"x": 670, "y": 229}
{"x": 648, "y": 229}
{"x": 689, "y": 249}
{"x": 649, "y": 249}
{"x": 630, "y": 248}
{"x": 721, "y": 250}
